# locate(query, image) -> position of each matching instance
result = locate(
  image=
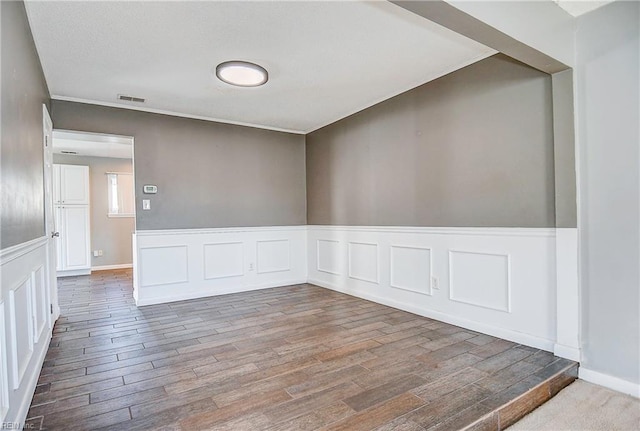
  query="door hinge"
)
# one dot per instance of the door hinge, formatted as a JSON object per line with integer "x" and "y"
{"x": 51, "y": 308}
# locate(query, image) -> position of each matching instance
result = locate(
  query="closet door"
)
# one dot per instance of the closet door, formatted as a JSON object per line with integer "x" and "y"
{"x": 60, "y": 238}
{"x": 57, "y": 198}
{"x": 76, "y": 244}
{"x": 74, "y": 185}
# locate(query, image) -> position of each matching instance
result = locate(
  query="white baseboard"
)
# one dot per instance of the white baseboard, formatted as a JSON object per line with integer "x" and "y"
{"x": 516, "y": 337}
{"x": 567, "y": 352}
{"x": 186, "y": 296}
{"x": 108, "y": 267}
{"x": 74, "y": 272}
{"x": 610, "y": 382}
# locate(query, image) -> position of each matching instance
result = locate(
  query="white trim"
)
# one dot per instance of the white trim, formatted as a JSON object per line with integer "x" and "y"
{"x": 392, "y": 269}
{"x": 23, "y": 409}
{"x": 566, "y": 352}
{"x": 220, "y": 230}
{"x": 181, "y": 280}
{"x": 318, "y": 255}
{"x": 610, "y": 382}
{"x": 74, "y": 272}
{"x": 175, "y": 114}
{"x": 18, "y": 369}
{"x": 4, "y": 377}
{"x": 480, "y": 253}
{"x": 377, "y": 265}
{"x": 484, "y": 231}
{"x": 517, "y": 337}
{"x": 194, "y": 295}
{"x": 567, "y": 294}
{"x": 10, "y": 253}
{"x": 269, "y": 271}
{"x": 108, "y": 267}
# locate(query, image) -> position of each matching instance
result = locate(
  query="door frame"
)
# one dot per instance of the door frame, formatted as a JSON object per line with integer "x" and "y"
{"x": 49, "y": 215}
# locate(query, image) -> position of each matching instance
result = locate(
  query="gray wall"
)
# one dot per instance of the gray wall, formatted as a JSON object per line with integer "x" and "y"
{"x": 564, "y": 149}
{"x": 608, "y": 141}
{"x": 24, "y": 90}
{"x": 473, "y": 148}
{"x": 112, "y": 235}
{"x": 208, "y": 174}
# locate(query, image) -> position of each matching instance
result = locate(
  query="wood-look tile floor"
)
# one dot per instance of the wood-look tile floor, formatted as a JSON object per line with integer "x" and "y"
{"x": 289, "y": 358}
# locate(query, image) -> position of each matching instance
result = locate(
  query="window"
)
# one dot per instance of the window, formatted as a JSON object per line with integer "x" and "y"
{"x": 121, "y": 195}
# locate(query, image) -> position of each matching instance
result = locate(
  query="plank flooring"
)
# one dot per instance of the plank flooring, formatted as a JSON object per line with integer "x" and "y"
{"x": 289, "y": 358}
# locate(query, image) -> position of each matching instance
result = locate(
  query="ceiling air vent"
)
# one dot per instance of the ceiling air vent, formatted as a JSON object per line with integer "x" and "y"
{"x": 130, "y": 98}
{"x": 68, "y": 152}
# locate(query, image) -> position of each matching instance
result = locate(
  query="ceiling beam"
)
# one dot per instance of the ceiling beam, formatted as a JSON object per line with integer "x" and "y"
{"x": 466, "y": 24}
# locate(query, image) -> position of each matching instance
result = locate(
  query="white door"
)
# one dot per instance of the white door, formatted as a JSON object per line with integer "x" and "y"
{"x": 74, "y": 185}
{"x": 76, "y": 243}
{"x": 49, "y": 217}
{"x": 57, "y": 199}
{"x": 59, "y": 239}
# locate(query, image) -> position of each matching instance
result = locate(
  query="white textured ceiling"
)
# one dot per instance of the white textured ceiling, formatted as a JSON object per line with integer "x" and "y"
{"x": 326, "y": 60}
{"x": 580, "y": 7}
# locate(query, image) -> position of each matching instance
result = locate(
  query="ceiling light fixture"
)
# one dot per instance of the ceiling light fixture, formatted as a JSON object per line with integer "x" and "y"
{"x": 242, "y": 73}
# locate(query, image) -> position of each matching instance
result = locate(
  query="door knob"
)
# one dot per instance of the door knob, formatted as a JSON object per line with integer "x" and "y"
{"x": 55, "y": 234}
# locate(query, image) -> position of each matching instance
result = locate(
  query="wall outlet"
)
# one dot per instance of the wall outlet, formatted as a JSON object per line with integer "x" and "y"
{"x": 434, "y": 283}
{"x": 97, "y": 253}
{"x": 251, "y": 266}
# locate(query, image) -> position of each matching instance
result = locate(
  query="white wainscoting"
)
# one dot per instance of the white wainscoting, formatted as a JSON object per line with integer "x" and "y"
{"x": 4, "y": 378}
{"x": 25, "y": 326}
{"x": 173, "y": 265}
{"x": 499, "y": 281}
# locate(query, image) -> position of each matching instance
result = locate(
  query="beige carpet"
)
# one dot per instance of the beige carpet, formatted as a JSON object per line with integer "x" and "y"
{"x": 583, "y": 406}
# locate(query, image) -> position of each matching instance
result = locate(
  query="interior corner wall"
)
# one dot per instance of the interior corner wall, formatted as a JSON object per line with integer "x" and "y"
{"x": 209, "y": 175}
{"x": 471, "y": 149}
{"x": 24, "y": 90}
{"x": 607, "y": 94}
{"x": 112, "y": 235}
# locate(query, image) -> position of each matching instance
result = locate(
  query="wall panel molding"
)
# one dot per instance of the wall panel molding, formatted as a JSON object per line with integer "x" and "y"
{"x": 164, "y": 265}
{"x": 21, "y": 329}
{"x": 328, "y": 256}
{"x": 40, "y": 303}
{"x": 480, "y": 279}
{"x": 363, "y": 261}
{"x": 273, "y": 256}
{"x": 411, "y": 268}
{"x": 223, "y": 259}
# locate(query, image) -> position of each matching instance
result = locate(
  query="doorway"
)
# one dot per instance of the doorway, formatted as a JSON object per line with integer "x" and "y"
{"x": 93, "y": 201}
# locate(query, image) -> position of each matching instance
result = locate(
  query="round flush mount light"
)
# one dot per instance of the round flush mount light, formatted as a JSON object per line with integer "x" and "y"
{"x": 242, "y": 73}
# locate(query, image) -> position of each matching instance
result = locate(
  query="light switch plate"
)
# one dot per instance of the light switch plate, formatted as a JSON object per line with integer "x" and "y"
{"x": 146, "y": 204}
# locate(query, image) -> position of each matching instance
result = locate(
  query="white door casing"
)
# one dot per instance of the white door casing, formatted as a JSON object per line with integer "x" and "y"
{"x": 49, "y": 216}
